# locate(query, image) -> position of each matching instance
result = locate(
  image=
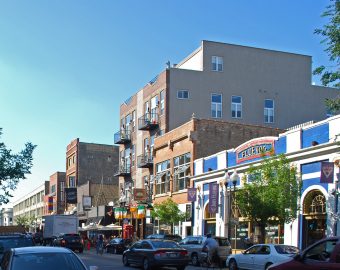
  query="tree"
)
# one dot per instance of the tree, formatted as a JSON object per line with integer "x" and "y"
{"x": 13, "y": 168}
{"x": 271, "y": 196}
{"x": 168, "y": 212}
{"x": 330, "y": 76}
{"x": 25, "y": 221}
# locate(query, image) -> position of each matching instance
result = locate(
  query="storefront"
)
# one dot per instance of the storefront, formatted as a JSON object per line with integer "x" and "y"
{"x": 313, "y": 148}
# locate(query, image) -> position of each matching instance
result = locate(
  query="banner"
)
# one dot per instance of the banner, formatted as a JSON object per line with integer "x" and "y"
{"x": 213, "y": 198}
{"x": 50, "y": 204}
{"x": 71, "y": 195}
{"x": 327, "y": 172}
{"x": 192, "y": 194}
{"x": 141, "y": 211}
{"x": 109, "y": 217}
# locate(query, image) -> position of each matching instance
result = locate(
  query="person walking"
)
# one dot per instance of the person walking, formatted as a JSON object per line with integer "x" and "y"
{"x": 100, "y": 244}
{"x": 212, "y": 246}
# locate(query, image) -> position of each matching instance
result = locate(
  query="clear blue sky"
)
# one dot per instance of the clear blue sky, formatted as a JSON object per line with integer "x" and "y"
{"x": 66, "y": 66}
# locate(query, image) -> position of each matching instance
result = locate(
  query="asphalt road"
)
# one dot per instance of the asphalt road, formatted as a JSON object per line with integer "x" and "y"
{"x": 114, "y": 262}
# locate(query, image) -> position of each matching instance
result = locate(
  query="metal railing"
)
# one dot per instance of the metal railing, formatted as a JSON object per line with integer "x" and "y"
{"x": 148, "y": 121}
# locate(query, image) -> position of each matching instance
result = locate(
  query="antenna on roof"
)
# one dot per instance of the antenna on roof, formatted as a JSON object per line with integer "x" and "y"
{"x": 167, "y": 64}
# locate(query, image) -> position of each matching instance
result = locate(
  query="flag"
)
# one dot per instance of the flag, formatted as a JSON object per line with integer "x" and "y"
{"x": 327, "y": 172}
{"x": 192, "y": 194}
{"x": 213, "y": 198}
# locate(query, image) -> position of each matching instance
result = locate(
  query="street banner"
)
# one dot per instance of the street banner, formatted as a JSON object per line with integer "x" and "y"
{"x": 192, "y": 194}
{"x": 50, "y": 204}
{"x": 327, "y": 172}
{"x": 213, "y": 198}
{"x": 71, "y": 195}
{"x": 141, "y": 211}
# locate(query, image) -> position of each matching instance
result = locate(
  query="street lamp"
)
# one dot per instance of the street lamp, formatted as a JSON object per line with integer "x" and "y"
{"x": 233, "y": 179}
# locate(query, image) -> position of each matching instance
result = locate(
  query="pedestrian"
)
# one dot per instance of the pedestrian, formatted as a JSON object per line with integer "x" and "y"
{"x": 100, "y": 244}
{"x": 212, "y": 246}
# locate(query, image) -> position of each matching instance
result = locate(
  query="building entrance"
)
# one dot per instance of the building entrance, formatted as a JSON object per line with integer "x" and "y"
{"x": 314, "y": 218}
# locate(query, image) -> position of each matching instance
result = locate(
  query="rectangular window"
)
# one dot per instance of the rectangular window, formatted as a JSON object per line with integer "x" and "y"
{"x": 62, "y": 187}
{"x": 217, "y": 63}
{"x": 216, "y": 105}
{"x": 269, "y": 111}
{"x": 154, "y": 108}
{"x": 52, "y": 188}
{"x": 71, "y": 181}
{"x": 162, "y": 178}
{"x": 146, "y": 107}
{"x": 133, "y": 155}
{"x": 133, "y": 120}
{"x": 183, "y": 94}
{"x": 162, "y": 102}
{"x": 181, "y": 172}
{"x": 236, "y": 107}
{"x": 128, "y": 121}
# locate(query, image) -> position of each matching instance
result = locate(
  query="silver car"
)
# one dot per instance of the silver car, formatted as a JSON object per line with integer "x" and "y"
{"x": 194, "y": 246}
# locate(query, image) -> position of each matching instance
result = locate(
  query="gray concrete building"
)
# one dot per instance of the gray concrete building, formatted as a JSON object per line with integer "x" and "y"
{"x": 6, "y": 216}
{"x": 222, "y": 82}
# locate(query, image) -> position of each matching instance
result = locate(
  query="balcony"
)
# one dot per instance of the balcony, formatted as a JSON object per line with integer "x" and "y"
{"x": 123, "y": 170}
{"x": 122, "y": 137}
{"x": 148, "y": 121}
{"x": 145, "y": 161}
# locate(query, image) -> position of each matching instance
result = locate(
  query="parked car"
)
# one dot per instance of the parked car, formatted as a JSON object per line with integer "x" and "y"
{"x": 15, "y": 240}
{"x": 69, "y": 240}
{"x": 324, "y": 254}
{"x": 38, "y": 238}
{"x": 261, "y": 256}
{"x": 194, "y": 245}
{"x": 156, "y": 253}
{"x": 118, "y": 245}
{"x": 173, "y": 237}
{"x": 42, "y": 258}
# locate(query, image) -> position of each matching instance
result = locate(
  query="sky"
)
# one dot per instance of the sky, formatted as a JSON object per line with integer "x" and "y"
{"x": 67, "y": 65}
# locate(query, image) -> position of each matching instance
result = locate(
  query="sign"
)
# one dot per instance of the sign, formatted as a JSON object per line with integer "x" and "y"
{"x": 192, "y": 194}
{"x": 50, "y": 204}
{"x": 213, "y": 198}
{"x": 188, "y": 212}
{"x": 254, "y": 149}
{"x": 139, "y": 194}
{"x": 71, "y": 195}
{"x": 87, "y": 202}
{"x": 327, "y": 172}
{"x": 109, "y": 217}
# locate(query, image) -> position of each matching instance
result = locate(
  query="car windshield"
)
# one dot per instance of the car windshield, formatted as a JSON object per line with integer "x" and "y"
{"x": 172, "y": 237}
{"x": 50, "y": 261}
{"x": 161, "y": 244}
{"x": 222, "y": 242}
{"x": 283, "y": 249}
{"x": 7, "y": 243}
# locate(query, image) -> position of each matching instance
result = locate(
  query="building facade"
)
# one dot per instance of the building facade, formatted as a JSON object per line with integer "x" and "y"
{"x": 33, "y": 205}
{"x": 57, "y": 193}
{"x": 94, "y": 163}
{"x": 174, "y": 154}
{"x": 6, "y": 216}
{"x": 307, "y": 146}
{"x": 217, "y": 81}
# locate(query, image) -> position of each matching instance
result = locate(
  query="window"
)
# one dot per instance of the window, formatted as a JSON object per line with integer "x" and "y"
{"x": 181, "y": 171}
{"x": 146, "y": 107}
{"x": 162, "y": 178}
{"x": 269, "y": 111}
{"x": 146, "y": 146}
{"x": 154, "y": 108}
{"x": 182, "y": 94}
{"x": 128, "y": 121}
{"x": 52, "y": 188}
{"x": 72, "y": 181}
{"x": 133, "y": 120}
{"x": 162, "y": 102}
{"x": 132, "y": 155}
{"x": 216, "y": 105}
{"x": 62, "y": 187}
{"x": 322, "y": 251}
{"x": 236, "y": 107}
{"x": 217, "y": 63}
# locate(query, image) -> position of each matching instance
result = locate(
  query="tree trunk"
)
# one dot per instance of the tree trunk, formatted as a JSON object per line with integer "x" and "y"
{"x": 263, "y": 233}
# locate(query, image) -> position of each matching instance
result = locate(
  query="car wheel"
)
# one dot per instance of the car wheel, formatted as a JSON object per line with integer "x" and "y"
{"x": 125, "y": 261}
{"x": 146, "y": 265}
{"x": 267, "y": 265}
{"x": 233, "y": 265}
{"x": 194, "y": 259}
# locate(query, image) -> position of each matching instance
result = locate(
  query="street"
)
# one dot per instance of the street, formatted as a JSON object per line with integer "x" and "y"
{"x": 112, "y": 261}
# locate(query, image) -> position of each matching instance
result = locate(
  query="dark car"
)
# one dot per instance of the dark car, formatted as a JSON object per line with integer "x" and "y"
{"x": 41, "y": 258}
{"x": 156, "y": 253}
{"x": 324, "y": 254}
{"x": 70, "y": 241}
{"x": 38, "y": 238}
{"x": 118, "y": 245}
{"x": 173, "y": 237}
{"x": 13, "y": 241}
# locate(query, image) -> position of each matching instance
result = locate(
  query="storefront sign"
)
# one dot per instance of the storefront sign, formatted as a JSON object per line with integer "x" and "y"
{"x": 254, "y": 149}
{"x": 327, "y": 172}
{"x": 139, "y": 194}
{"x": 71, "y": 195}
{"x": 87, "y": 202}
{"x": 192, "y": 194}
{"x": 213, "y": 198}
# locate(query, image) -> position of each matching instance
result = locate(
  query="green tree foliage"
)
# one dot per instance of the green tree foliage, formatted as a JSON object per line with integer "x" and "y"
{"x": 25, "y": 221}
{"x": 271, "y": 197}
{"x": 13, "y": 168}
{"x": 331, "y": 34}
{"x": 168, "y": 212}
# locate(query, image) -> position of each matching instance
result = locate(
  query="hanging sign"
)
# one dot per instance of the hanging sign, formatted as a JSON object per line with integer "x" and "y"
{"x": 327, "y": 172}
{"x": 140, "y": 211}
{"x": 139, "y": 194}
{"x": 71, "y": 195}
{"x": 192, "y": 194}
{"x": 254, "y": 149}
{"x": 213, "y": 198}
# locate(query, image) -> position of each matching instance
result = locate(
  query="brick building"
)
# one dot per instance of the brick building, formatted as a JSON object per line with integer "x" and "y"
{"x": 56, "y": 192}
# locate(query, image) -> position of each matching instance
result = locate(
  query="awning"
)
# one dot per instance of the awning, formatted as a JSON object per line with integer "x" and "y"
{"x": 93, "y": 221}
{"x": 111, "y": 227}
